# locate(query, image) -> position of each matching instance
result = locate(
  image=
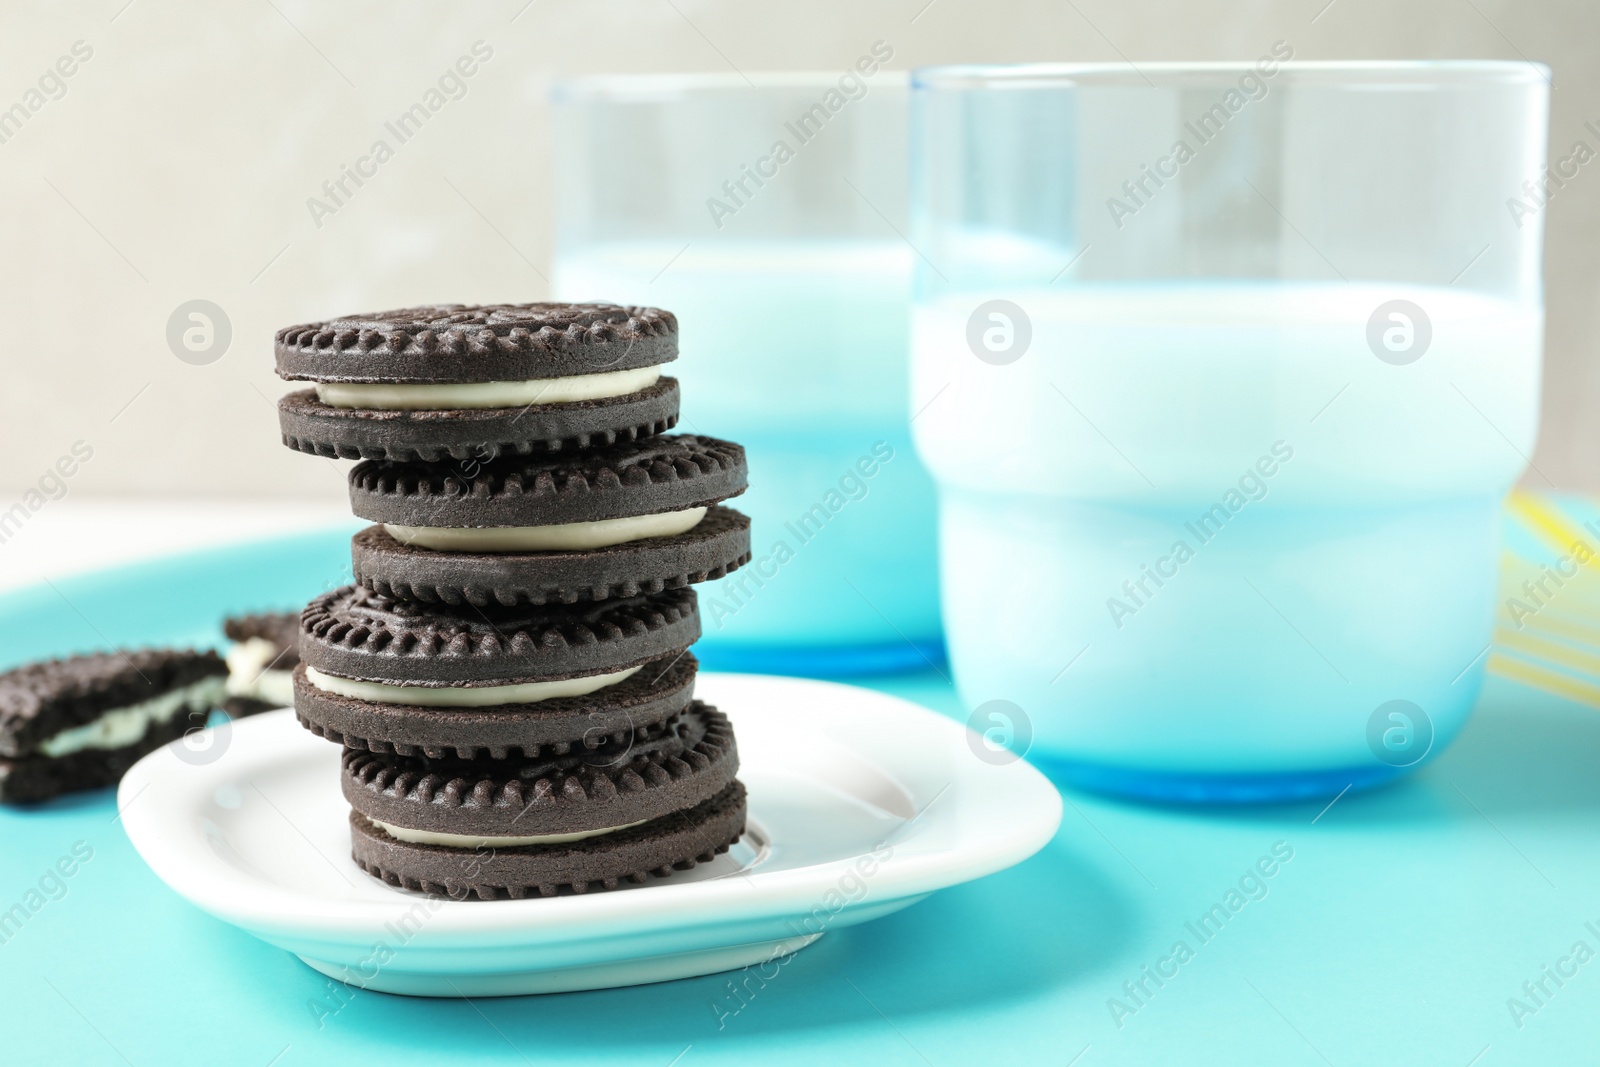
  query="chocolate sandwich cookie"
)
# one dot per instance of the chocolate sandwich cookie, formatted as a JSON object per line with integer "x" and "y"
{"x": 468, "y": 383}
{"x": 395, "y": 675}
{"x": 685, "y": 760}
{"x": 473, "y": 657}
{"x": 617, "y": 714}
{"x": 74, "y": 724}
{"x": 635, "y": 518}
{"x": 490, "y": 870}
{"x": 261, "y": 661}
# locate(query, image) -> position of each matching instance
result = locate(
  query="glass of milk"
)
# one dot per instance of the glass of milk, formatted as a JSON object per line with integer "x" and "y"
{"x": 1224, "y": 372}
{"x": 769, "y": 215}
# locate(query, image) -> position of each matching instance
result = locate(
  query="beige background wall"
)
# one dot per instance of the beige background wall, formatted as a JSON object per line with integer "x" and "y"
{"x": 178, "y": 163}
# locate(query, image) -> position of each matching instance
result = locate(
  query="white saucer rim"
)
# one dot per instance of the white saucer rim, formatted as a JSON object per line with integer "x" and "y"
{"x": 1034, "y": 813}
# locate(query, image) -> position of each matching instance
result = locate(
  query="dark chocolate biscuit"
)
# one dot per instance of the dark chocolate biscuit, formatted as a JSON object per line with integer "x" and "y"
{"x": 616, "y": 714}
{"x": 245, "y": 680}
{"x": 456, "y": 343}
{"x": 356, "y": 633}
{"x": 688, "y": 759}
{"x": 41, "y": 701}
{"x": 282, "y": 628}
{"x": 662, "y": 474}
{"x": 37, "y": 777}
{"x": 672, "y": 842}
{"x": 475, "y": 434}
{"x": 718, "y": 544}
{"x": 279, "y": 627}
{"x": 243, "y": 707}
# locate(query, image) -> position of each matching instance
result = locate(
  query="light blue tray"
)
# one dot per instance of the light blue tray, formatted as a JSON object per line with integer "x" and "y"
{"x": 1404, "y": 923}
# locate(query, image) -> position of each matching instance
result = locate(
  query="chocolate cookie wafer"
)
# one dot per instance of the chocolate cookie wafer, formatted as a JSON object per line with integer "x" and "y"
{"x": 617, "y": 713}
{"x": 617, "y": 522}
{"x": 261, "y": 661}
{"x": 74, "y": 724}
{"x": 470, "y": 656}
{"x": 685, "y": 760}
{"x": 392, "y": 675}
{"x": 468, "y": 383}
{"x": 490, "y": 871}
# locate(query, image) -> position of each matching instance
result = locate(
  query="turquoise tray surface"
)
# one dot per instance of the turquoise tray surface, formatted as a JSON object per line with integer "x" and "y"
{"x": 1450, "y": 918}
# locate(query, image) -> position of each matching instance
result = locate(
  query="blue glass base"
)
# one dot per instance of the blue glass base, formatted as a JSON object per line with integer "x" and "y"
{"x": 1178, "y": 788}
{"x": 821, "y": 661}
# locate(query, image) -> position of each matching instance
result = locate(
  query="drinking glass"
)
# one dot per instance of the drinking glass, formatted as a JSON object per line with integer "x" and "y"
{"x": 769, "y": 215}
{"x": 1224, "y": 372}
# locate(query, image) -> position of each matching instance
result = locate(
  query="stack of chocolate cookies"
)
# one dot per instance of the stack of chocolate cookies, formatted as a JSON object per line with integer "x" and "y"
{"x": 510, "y": 674}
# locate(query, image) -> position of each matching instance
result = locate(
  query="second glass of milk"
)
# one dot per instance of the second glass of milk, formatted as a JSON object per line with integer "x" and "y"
{"x": 1225, "y": 372}
{"x": 769, "y": 217}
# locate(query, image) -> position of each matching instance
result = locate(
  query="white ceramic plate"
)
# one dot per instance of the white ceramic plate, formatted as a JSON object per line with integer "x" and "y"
{"x": 860, "y": 804}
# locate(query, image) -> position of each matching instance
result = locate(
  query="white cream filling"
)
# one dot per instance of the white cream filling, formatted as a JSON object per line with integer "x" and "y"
{"x": 249, "y": 675}
{"x": 428, "y": 837}
{"x": 462, "y": 696}
{"x": 566, "y": 536}
{"x": 120, "y": 727}
{"x": 387, "y": 396}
